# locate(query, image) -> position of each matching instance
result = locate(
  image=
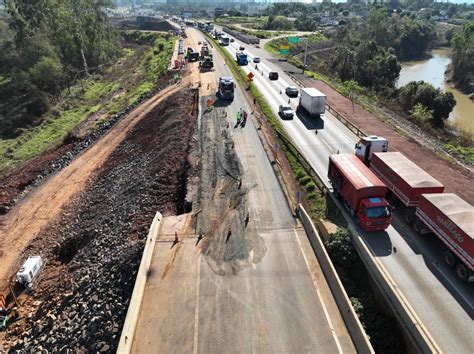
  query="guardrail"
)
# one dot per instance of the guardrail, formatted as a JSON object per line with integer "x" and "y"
{"x": 339, "y": 116}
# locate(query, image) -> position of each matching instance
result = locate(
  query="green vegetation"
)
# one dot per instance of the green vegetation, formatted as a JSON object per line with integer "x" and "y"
{"x": 383, "y": 331}
{"x": 463, "y": 58}
{"x": 47, "y": 49}
{"x": 423, "y": 100}
{"x": 118, "y": 86}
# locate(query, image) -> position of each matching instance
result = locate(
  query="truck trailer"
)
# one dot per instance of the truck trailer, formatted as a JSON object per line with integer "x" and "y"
{"x": 451, "y": 219}
{"x": 312, "y": 101}
{"x": 361, "y": 191}
{"x": 404, "y": 179}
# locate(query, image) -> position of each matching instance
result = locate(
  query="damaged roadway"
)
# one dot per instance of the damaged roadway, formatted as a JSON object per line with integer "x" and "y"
{"x": 258, "y": 288}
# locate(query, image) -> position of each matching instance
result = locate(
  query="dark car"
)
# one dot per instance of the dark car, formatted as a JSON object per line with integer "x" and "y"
{"x": 273, "y": 75}
{"x": 285, "y": 112}
{"x": 241, "y": 47}
{"x": 291, "y": 91}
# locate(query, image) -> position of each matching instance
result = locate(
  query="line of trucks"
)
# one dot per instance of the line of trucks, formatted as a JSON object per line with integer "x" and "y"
{"x": 362, "y": 180}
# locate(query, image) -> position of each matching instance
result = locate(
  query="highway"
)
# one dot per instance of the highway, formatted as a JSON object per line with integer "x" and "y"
{"x": 267, "y": 295}
{"x": 443, "y": 303}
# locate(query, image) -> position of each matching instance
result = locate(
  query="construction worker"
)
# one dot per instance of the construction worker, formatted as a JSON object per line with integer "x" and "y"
{"x": 238, "y": 117}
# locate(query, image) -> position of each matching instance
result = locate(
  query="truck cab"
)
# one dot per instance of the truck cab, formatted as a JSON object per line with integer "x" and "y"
{"x": 360, "y": 190}
{"x": 367, "y": 145}
{"x": 226, "y": 88}
{"x": 242, "y": 58}
{"x": 374, "y": 213}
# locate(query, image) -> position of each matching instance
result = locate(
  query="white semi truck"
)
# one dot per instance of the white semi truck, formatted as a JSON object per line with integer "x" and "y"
{"x": 312, "y": 101}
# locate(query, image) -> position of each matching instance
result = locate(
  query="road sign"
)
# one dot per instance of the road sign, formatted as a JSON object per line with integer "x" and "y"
{"x": 293, "y": 40}
{"x": 284, "y": 49}
{"x": 250, "y": 76}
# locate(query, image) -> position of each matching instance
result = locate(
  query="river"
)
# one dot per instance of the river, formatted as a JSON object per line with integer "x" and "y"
{"x": 432, "y": 70}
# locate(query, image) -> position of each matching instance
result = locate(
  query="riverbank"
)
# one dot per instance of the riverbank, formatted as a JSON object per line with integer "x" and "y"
{"x": 433, "y": 70}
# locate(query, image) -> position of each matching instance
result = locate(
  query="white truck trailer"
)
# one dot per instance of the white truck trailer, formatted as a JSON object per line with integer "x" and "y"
{"x": 312, "y": 101}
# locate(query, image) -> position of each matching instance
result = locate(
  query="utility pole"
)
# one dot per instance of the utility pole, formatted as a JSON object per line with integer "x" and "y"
{"x": 305, "y": 54}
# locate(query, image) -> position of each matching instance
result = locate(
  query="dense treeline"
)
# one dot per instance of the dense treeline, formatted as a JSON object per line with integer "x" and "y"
{"x": 463, "y": 58}
{"x": 53, "y": 44}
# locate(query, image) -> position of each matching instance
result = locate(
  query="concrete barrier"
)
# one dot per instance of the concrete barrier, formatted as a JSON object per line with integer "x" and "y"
{"x": 356, "y": 331}
{"x": 406, "y": 315}
{"x": 130, "y": 325}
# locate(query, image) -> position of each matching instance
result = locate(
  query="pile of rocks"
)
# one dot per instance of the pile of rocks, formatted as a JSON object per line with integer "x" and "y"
{"x": 94, "y": 250}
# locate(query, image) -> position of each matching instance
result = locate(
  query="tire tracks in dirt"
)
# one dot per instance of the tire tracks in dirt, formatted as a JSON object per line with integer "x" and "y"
{"x": 45, "y": 203}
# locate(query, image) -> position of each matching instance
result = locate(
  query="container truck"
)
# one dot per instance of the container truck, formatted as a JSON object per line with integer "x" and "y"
{"x": 404, "y": 179}
{"x": 368, "y": 145}
{"x": 451, "y": 219}
{"x": 226, "y": 88}
{"x": 242, "y": 58}
{"x": 312, "y": 101}
{"x": 361, "y": 191}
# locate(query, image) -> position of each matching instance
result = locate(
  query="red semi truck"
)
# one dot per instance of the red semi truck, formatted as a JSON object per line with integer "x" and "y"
{"x": 451, "y": 219}
{"x": 404, "y": 178}
{"x": 362, "y": 192}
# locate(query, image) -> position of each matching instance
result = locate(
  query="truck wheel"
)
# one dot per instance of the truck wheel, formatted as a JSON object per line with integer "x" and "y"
{"x": 462, "y": 272}
{"x": 418, "y": 226}
{"x": 449, "y": 258}
{"x": 409, "y": 216}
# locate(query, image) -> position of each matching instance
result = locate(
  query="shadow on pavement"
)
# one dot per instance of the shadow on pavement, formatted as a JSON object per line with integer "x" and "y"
{"x": 379, "y": 243}
{"x": 309, "y": 122}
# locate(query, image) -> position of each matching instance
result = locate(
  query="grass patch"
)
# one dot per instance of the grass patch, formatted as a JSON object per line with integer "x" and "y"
{"x": 100, "y": 94}
{"x": 464, "y": 152}
{"x": 4, "y": 80}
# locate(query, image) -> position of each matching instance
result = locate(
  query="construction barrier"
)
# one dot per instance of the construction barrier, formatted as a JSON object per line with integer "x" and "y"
{"x": 130, "y": 325}
{"x": 356, "y": 331}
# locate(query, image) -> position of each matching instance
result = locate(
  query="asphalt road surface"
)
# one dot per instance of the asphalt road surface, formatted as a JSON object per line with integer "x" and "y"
{"x": 279, "y": 302}
{"x": 444, "y": 304}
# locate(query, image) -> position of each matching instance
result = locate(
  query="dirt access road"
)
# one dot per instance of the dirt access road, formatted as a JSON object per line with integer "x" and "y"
{"x": 242, "y": 288}
{"x": 44, "y": 204}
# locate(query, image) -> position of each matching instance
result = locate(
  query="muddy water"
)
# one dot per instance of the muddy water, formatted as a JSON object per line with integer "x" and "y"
{"x": 432, "y": 71}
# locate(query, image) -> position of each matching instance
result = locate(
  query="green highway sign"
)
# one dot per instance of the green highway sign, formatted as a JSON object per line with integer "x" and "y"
{"x": 283, "y": 51}
{"x": 293, "y": 40}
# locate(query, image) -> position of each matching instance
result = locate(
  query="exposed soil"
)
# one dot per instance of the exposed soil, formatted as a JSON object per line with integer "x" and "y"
{"x": 94, "y": 248}
{"x": 16, "y": 182}
{"x": 455, "y": 177}
{"x": 222, "y": 199}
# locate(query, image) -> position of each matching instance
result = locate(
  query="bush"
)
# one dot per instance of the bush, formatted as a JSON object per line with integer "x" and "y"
{"x": 439, "y": 103}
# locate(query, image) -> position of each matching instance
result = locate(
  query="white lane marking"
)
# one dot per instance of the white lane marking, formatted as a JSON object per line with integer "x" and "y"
{"x": 196, "y": 311}
{"x": 455, "y": 287}
{"x": 326, "y": 313}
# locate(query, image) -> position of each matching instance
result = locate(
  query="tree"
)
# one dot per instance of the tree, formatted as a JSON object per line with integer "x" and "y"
{"x": 47, "y": 74}
{"x": 420, "y": 98}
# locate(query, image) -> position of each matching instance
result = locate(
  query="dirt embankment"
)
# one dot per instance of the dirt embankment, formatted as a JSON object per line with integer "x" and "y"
{"x": 94, "y": 249}
{"x": 16, "y": 182}
{"x": 456, "y": 178}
